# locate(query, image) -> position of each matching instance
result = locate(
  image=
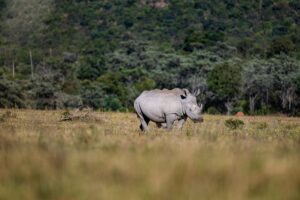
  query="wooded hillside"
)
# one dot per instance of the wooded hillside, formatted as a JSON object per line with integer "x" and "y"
{"x": 243, "y": 55}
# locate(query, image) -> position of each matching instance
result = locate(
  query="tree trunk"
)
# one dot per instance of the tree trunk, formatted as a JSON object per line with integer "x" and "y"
{"x": 31, "y": 63}
{"x": 290, "y": 96}
{"x": 267, "y": 98}
{"x": 13, "y": 69}
{"x": 260, "y": 8}
{"x": 252, "y": 103}
{"x": 283, "y": 99}
{"x": 290, "y": 105}
{"x": 228, "y": 106}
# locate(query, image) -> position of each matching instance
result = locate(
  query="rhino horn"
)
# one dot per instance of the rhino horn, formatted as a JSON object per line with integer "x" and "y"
{"x": 201, "y": 107}
{"x": 197, "y": 92}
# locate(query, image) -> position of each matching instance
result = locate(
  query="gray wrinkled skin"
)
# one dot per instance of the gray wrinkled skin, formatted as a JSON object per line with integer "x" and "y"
{"x": 164, "y": 107}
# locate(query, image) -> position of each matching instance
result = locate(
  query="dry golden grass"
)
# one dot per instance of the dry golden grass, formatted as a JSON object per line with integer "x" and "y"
{"x": 42, "y": 158}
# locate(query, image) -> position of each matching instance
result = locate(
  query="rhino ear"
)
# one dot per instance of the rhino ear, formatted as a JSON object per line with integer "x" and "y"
{"x": 186, "y": 91}
{"x": 197, "y": 92}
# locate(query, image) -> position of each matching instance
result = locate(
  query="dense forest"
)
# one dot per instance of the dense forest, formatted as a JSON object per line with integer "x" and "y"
{"x": 243, "y": 55}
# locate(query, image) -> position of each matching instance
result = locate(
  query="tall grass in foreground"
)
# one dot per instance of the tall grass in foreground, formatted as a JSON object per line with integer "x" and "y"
{"x": 41, "y": 158}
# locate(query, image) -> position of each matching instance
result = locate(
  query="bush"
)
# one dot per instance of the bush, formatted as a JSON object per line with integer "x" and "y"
{"x": 225, "y": 80}
{"x": 2, "y": 4}
{"x": 44, "y": 95}
{"x": 91, "y": 94}
{"x": 244, "y": 46}
{"x": 91, "y": 68}
{"x": 281, "y": 45}
{"x": 63, "y": 100}
{"x": 11, "y": 95}
{"x": 145, "y": 84}
{"x": 236, "y": 110}
{"x": 112, "y": 102}
{"x": 234, "y": 124}
{"x": 262, "y": 125}
{"x": 213, "y": 111}
{"x": 6, "y": 115}
{"x": 264, "y": 110}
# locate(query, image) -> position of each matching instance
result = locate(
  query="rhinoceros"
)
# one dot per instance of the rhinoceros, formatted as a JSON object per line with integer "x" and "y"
{"x": 165, "y": 106}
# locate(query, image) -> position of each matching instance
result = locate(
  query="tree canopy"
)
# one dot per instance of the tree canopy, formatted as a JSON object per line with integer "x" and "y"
{"x": 70, "y": 53}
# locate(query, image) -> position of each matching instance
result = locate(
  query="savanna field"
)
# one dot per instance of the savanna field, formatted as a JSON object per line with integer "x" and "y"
{"x": 107, "y": 157}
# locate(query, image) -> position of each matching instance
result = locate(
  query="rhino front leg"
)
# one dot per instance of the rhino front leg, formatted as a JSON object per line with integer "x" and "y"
{"x": 170, "y": 119}
{"x": 164, "y": 125}
{"x": 161, "y": 125}
{"x": 181, "y": 123}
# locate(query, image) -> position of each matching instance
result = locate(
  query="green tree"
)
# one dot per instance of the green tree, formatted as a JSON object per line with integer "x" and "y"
{"x": 225, "y": 81}
{"x": 285, "y": 71}
{"x": 44, "y": 95}
{"x": 2, "y": 4}
{"x": 257, "y": 82}
{"x": 92, "y": 94}
{"x": 281, "y": 45}
{"x": 11, "y": 95}
{"x": 112, "y": 102}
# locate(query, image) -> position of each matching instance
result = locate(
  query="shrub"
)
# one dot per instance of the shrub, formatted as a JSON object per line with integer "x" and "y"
{"x": 112, "y": 102}
{"x": 2, "y": 4}
{"x": 6, "y": 115}
{"x": 281, "y": 45}
{"x": 264, "y": 110}
{"x": 11, "y": 95}
{"x": 236, "y": 110}
{"x": 225, "y": 80}
{"x": 44, "y": 95}
{"x": 234, "y": 124}
{"x": 91, "y": 94}
{"x": 213, "y": 111}
{"x": 262, "y": 125}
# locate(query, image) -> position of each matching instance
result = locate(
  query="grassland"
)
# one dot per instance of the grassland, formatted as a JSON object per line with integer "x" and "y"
{"x": 42, "y": 158}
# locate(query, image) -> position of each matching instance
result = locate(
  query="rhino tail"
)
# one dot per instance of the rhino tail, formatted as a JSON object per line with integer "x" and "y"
{"x": 137, "y": 109}
{"x": 140, "y": 115}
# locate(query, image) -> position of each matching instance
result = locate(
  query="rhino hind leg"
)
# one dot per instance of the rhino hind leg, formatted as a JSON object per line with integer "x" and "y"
{"x": 144, "y": 123}
{"x": 161, "y": 125}
{"x": 158, "y": 125}
{"x": 144, "y": 120}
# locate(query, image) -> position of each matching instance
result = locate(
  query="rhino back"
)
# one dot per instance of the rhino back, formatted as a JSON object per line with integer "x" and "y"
{"x": 176, "y": 91}
{"x": 157, "y": 104}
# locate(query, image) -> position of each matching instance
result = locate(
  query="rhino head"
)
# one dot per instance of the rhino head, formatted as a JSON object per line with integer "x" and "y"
{"x": 190, "y": 106}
